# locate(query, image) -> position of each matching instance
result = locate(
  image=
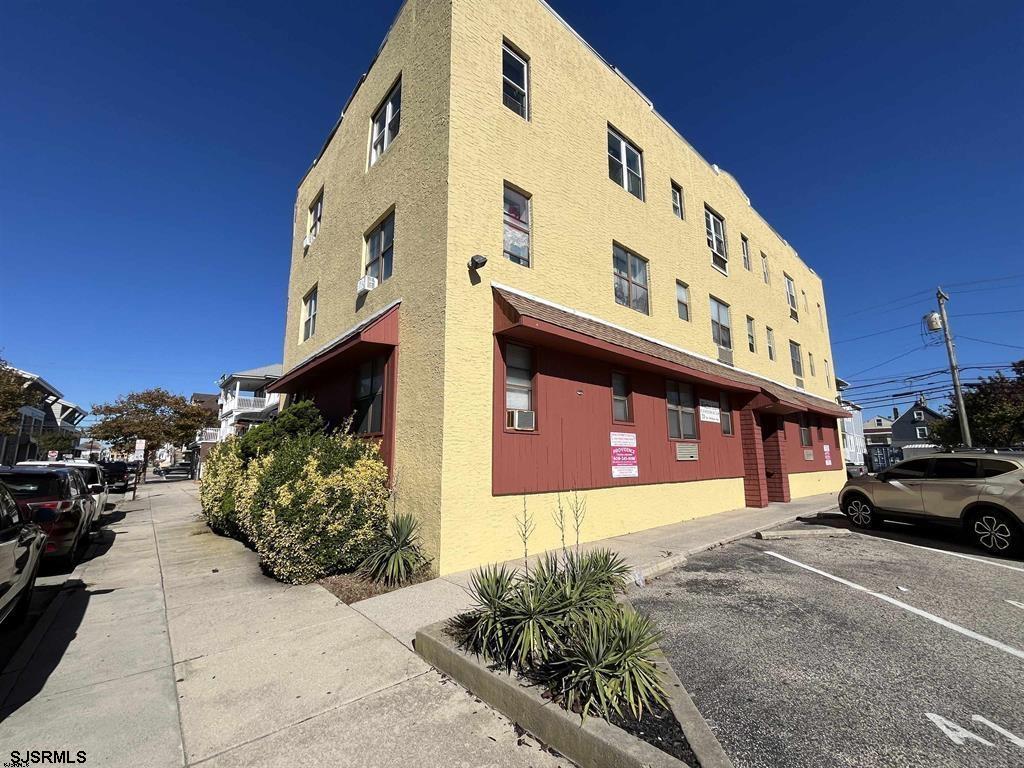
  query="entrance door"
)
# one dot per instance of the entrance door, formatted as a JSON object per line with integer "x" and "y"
{"x": 773, "y": 438}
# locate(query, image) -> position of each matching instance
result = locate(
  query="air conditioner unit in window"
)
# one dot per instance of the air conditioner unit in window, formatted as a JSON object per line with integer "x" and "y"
{"x": 794, "y": 314}
{"x": 725, "y": 355}
{"x": 800, "y": 383}
{"x": 366, "y": 284}
{"x": 308, "y": 241}
{"x": 524, "y": 421}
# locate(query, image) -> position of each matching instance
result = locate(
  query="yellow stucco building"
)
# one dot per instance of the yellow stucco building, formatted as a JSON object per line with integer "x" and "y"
{"x": 523, "y": 281}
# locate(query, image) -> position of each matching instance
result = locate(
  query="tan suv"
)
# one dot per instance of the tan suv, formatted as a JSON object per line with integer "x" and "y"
{"x": 983, "y": 493}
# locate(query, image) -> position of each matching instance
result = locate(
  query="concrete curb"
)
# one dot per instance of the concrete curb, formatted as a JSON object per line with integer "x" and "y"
{"x": 809, "y": 533}
{"x": 593, "y": 744}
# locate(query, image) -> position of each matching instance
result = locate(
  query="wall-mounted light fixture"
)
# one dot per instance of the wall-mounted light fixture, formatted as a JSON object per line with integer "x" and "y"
{"x": 476, "y": 262}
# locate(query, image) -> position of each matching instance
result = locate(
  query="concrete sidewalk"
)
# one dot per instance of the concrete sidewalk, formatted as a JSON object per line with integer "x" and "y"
{"x": 649, "y": 553}
{"x": 172, "y": 648}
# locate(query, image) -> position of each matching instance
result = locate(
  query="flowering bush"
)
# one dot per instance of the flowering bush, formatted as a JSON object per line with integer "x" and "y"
{"x": 218, "y": 488}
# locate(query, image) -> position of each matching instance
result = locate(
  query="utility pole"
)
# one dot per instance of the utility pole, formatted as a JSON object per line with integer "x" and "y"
{"x": 965, "y": 431}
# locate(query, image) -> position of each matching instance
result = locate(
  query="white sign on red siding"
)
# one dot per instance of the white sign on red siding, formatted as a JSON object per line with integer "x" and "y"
{"x": 624, "y": 462}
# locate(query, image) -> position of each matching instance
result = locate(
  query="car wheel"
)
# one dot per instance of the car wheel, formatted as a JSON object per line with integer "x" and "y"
{"x": 860, "y": 512}
{"x": 20, "y": 613}
{"x": 995, "y": 531}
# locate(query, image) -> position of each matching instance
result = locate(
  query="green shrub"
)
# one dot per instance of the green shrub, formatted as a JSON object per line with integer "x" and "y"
{"x": 482, "y": 630}
{"x": 297, "y": 420}
{"x": 397, "y": 555}
{"x": 315, "y": 505}
{"x": 218, "y": 487}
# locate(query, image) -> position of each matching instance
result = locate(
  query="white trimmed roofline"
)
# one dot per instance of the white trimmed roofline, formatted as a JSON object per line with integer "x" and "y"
{"x": 326, "y": 347}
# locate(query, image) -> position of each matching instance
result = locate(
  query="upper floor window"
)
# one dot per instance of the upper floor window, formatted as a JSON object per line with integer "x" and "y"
{"x": 677, "y": 201}
{"x": 922, "y": 432}
{"x": 515, "y": 71}
{"x": 625, "y": 164}
{"x": 630, "y": 274}
{"x": 309, "y": 314}
{"x": 369, "y": 401}
{"x": 622, "y": 405}
{"x": 683, "y": 300}
{"x": 380, "y": 247}
{"x": 751, "y": 339}
{"x": 386, "y": 122}
{"x": 682, "y": 416}
{"x": 725, "y": 413}
{"x": 518, "y": 385}
{"x": 715, "y": 227}
{"x": 918, "y": 415}
{"x": 828, "y": 374}
{"x": 810, "y": 363}
{"x": 771, "y": 343}
{"x": 791, "y": 297}
{"x": 878, "y": 422}
{"x": 721, "y": 329}
{"x": 821, "y": 316}
{"x": 764, "y": 270}
{"x": 804, "y": 294}
{"x": 745, "y": 247}
{"x": 316, "y": 213}
{"x": 517, "y": 226}
{"x": 796, "y": 359}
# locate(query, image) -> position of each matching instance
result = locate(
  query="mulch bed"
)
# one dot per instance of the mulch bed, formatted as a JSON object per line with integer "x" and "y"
{"x": 353, "y": 587}
{"x": 659, "y": 728}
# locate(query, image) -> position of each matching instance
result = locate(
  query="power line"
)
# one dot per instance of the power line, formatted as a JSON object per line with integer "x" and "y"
{"x": 986, "y": 341}
{"x": 890, "y": 360}
{"x": 877, "y": 333}
{"x": 987, "y": 280}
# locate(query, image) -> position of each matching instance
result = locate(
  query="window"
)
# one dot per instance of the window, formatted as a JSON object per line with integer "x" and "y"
{"x": 954, "y": 469}
{"x": 794, "y": 356}
{"x": 804, "y": 294}
{"x": 517, "y": 227}
{"x": 725, "y": 413}
{"x": 380, "y": 247}
{"x": 828, "y": 374}
{"x": 908, "y": 470}
{"x": 791, "y": 297}
{"x": 751, "y": 340}
{"x": 764, "y": 270}
{"x": 369, "y": 415}
{"x": 682, "y": 416}
{"x": 316, "y": 213}
{"x": 745, "y": 247}
{"x": 515, "y": 71}
{"x": 819, "y": 428}
{"x": 625, "y": 164}
{"x": 805, "y": 430}
{"x": 878, "y": 422}
{"x": 518, "y": 378}
{"x": 771, "y": 343}
{"x": 630, "y": 273}
{"x": 922, "y": 432}
{"x": 721, "y": 329}
{"x": 385, "y": 123}
{"x": 683, "y": 300}
{"x": 918, "y": 415}
{"x": 821, "y": 316}
{"x": 622, "y": 405}
{"x": 309, "y": 314}
{"x": 677, "y": 201}
{"x": 715, "y": 230}
{"x": 810, "y": 363}
{"x": 995, "y": 467}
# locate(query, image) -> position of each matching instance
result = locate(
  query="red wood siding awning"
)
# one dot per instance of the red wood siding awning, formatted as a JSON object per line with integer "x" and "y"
{"x": 377, "y": 332}
{"x": 519, "y": 316}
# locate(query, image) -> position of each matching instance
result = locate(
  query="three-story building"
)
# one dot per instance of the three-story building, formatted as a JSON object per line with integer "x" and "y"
{"x": 514, "y": 273}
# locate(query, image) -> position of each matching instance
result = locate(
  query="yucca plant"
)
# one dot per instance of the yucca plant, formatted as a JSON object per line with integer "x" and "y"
{"x": 482, "y": 630}
{"x": 398, "y": 556}
{"x": 537, "y": 607}
{"x": 639, "y": 679}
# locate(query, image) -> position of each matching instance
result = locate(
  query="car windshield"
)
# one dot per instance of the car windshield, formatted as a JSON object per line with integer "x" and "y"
{"x": 25, "y": 485}
{"x": 89, "y": 474}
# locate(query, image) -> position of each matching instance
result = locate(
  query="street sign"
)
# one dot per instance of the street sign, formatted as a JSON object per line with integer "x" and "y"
{"x": 52, "y": 455}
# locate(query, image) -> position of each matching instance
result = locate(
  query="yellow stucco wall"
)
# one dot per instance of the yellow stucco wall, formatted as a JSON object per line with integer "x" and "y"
{"x": 812, "y": 483}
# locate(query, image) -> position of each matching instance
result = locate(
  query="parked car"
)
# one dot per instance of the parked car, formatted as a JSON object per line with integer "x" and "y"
{"x": 58, "y": 501}
{"x": 91, "y": 473}
{"x": 981, "y": 493}
{"x": 21, "y": 551}
{"x": 117, "y": 475}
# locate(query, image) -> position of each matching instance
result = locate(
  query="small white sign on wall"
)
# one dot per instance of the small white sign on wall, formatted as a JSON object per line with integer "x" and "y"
{"x": 627, "y": 439}
{"x": 709, "y": 411}
{"x": 828, "y": 454}
{"x": 808, "y": 454}
{"x": 624, "y": 463}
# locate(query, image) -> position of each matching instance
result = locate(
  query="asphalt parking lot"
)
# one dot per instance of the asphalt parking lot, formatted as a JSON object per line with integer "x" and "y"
{"x": 853, "y": 651}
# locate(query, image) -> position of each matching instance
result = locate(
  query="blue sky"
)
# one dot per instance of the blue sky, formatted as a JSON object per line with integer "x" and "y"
{"x": 149, "y": 155}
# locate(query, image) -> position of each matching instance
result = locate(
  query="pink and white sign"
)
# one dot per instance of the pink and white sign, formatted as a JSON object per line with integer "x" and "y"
{"x": 624, "y": 462}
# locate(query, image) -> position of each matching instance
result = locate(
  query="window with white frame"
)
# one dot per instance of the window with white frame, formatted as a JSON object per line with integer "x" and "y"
{"x": 725, "y": 413}
{"x": 922, "y": 433}
{"x": 770, "y": 334}
{"x": 715, "y": 230}
{"x": 316, "y": 213}
{"x": 517, "y": 226}
{"x": 515, "y": 73}
{"x": 309, "y": 314}
{"x": 682, "y": 413}
{"x": 751, "y": 339}
{"x": 804, "y": 294}
{"x": 630, "y": 277}
{"x": 791, "y": 297}
{"x": 380, "y": 248}
{"x": 764, "y": 270}
{"x": 518, "y": 378}
{"x": 683, "y": 300}
{"x": 805, "y": 431}
{"x": 677, "y": 201}
{"x": 369, "y": 400}
{"x": 386, "y": 122}
{"x": 810, "y": 363}
{"x": 625, "y": 164}
{"x": 745, "y": 247}
{"x": 828, "y": 374}
{"x": 918, "y": 415}
{"x": 796, "y": 359}
{"x": 721, "y": 328}
{"x": 821, "y": 316}
{"x": 622, "y": 405}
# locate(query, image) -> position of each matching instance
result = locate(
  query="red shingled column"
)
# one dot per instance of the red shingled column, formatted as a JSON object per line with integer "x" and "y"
{"x": 755, "y": 482}
{"x": 775, "y": 458}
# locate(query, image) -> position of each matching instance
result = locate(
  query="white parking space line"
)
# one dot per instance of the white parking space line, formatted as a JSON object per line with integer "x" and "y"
{"x": 1016, "y": 604}
{"x": 944, "y": 552}
{"x": 899, "y": 604}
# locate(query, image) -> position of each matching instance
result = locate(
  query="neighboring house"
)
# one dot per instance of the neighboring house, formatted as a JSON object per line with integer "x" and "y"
{"x": 878, "y": 430}
{"x": 854, "y": 442}
{"x": 23, "y": 442}
{"x": 912, "y": 432}
{"x": 514, "y": 274}
{"x": 198, "y": 450}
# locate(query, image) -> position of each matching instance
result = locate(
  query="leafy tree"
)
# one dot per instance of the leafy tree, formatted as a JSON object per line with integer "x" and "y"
{"x": 13, "y": 396}
{"x": 995, "y": 412}
{"x": 61, "y": 441}
{"x": 298, "y": 419}
{"x": 154, "y": 415}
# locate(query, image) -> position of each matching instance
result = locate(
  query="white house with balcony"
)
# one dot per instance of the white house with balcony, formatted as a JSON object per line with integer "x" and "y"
{"x": 243, "y": 401}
